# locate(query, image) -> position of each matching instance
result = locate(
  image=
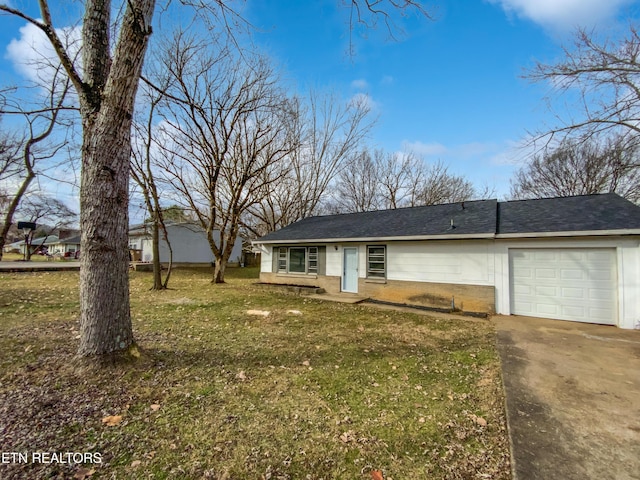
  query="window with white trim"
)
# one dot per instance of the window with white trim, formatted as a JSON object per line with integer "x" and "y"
{"x": 376, "y": 261}
{"x": 282, "y": 259}
{"x": 297, "y": 260}
{"x": 312, "y": 265}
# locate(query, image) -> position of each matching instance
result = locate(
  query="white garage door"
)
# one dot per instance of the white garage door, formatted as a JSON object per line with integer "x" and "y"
{"x": 567, "y": 284}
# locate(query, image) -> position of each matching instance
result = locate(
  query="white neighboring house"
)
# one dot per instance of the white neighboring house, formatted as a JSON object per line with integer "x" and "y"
{"x": 35, "y": 243}
{"x": 188, "y": 242}
{"x": 64, "y": 246}
{"x": 573, "y": 258}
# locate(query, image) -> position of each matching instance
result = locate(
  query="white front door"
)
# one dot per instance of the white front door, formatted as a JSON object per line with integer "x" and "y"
{"x": 350, "y": 270}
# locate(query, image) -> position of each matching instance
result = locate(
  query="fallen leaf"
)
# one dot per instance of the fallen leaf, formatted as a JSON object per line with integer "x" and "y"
{"x": 306, "y": 363}
{"x": 347, "y": 437}
{"x": 155, "y": 407}
{"x": 241, "y": 375}
{"x": 112, "y": 420}
{"x": 136, "y": 463}
{"x": 377, "y": 475}
{"x": 83, "y": 473}
{"x": 479, "y": 420}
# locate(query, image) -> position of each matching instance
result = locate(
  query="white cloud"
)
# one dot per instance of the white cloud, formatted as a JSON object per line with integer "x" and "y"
{"x": 33, "y": 56}
{"x": 360, "y": 84}
{"x": 563, "y": 14}
{"x": 365, "y": 100}
{"x": 426, "y": 149}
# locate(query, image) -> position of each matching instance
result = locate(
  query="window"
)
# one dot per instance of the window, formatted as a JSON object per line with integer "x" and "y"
{"x": 313, "y": 260}
{"x": 298, "y": 259}
{"x": 376, "y": 261}
{"x": 282, "y": 259}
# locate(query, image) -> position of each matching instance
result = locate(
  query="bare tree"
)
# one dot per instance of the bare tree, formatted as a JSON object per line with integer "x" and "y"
{"x": 400, "y": 176}
{"x": 378, "y": 180}
{"x": 578, "y": 167}
{"x": 23, "y": 157}
{"x": 142, "y": 171}
{"x": 329, "y": 132}
{"x": 357, "y": 188}
{"x": 226, "y": 133}
{"x": 49, "y": 214}
{"x": 606, "y": 74}
{"x": 106, "y": 87}
{"x": 439, "y": 186}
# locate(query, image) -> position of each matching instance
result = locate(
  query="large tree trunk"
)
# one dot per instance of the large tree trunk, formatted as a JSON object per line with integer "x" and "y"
{"x": 105, "y": 322}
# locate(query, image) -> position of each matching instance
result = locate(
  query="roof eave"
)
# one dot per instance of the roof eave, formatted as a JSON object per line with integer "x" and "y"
{"x": 471, "y": 236}
{"x": 464, "y": 236}
{"x": 571, "y": 233}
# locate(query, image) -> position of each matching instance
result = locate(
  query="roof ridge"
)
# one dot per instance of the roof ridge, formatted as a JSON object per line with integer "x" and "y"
{"x": 400, "y": 208}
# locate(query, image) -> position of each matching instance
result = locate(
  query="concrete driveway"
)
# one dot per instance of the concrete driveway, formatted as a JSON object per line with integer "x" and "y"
{"x": 573, "y": 398}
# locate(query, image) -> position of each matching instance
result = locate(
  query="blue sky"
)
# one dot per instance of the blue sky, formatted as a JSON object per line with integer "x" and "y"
{"x": 450, "y": 88}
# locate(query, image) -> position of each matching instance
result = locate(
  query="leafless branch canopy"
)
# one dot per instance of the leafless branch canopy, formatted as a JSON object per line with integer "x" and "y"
{"x": 578, "y": 167}
{"x": 606, "y": 77}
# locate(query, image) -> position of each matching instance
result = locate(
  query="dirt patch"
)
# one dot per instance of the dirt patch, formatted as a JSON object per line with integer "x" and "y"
{"x": 428, "y": 299}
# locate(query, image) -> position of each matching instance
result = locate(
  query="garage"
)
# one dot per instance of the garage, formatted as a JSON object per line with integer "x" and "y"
{"x": 578, "y": 284}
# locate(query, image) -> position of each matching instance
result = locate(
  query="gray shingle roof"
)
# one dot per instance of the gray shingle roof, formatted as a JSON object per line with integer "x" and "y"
{"x": 480, "y": 218}
{"x": 582, "y": 213}
{"x": 477, "y": 217}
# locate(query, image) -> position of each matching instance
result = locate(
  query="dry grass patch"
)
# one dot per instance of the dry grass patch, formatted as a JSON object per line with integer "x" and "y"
{"x": 333, "y": 392}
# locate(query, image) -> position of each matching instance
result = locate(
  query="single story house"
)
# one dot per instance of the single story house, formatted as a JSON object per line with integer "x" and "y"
{"x": 37, "y": 244}
{"x": 574, "y": 258}
{"x": 69, "y": 246}
{"x": 188, "y": 242}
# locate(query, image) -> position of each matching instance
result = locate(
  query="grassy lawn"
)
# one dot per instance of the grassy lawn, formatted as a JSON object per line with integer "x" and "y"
{"x": 14, "y": 257}
{"x": 314, "y": 390}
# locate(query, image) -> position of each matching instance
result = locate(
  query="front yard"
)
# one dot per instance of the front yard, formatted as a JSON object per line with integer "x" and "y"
{"x": 313, "y": 390}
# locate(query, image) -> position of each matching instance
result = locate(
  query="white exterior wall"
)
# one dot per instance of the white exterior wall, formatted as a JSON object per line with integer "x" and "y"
{"x": 265, "y": 257}
{"x": 64, "y": 247}
{"x": 189, "y": 245}
{"x": 486, "y": 262}
{"x": 334, "y": 259}
{"x": 628, "y": 271}
{"x": 457, "y": 262}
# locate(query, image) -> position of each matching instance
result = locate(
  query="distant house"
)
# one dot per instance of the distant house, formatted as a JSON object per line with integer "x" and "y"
{"x": 575, "y": 258}
{"x": 37, "y": 244}
{"x": 64, "y": 246}
{"x": 66, "y": 242}
{"x": 188, "y": 242}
